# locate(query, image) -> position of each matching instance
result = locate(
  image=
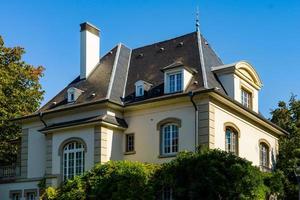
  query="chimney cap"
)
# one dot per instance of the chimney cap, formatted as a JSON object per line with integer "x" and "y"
{"x": 86, "y": 26}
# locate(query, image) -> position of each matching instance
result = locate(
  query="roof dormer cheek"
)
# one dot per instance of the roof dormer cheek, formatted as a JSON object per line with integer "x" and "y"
{"x": 73, "y": 94}
{"x": 177, "y": 77}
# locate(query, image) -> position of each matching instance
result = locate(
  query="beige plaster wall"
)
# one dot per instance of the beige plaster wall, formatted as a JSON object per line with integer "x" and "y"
{"x": 249, "y": 137}
{"x": 143, "y": 124}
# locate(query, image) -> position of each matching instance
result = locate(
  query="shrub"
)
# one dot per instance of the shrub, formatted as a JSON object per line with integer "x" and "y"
{"x": 210, "y": 175}
{"x": 121, "y": 180}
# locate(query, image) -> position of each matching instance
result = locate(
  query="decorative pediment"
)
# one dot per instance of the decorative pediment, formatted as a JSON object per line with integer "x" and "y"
{"x": 245, "y": 71}
{"x": 242, "y": 69}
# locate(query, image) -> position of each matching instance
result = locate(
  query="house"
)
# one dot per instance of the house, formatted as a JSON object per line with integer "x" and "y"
{"x": 144, "y": 104}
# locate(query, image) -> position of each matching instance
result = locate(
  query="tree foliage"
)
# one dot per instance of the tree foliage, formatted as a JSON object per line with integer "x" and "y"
{"x": 20, "y": 94}
{"x": 287, "y": 116}
{"x": 210, "y": 174}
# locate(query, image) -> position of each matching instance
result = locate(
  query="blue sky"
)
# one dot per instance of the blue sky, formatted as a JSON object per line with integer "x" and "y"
{"x": 264, "y": 32}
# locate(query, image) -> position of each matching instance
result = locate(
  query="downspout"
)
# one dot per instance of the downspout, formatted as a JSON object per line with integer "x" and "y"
{"x": 41, "y": 118}
{"x": 191, "y": 95}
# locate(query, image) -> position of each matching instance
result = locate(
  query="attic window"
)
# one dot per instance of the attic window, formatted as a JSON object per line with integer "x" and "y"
{"x": 175, "y": 81}
{"x": 177, "y": 77}
{"x": 140, "y": 88}
{"x": 73, "y": 94}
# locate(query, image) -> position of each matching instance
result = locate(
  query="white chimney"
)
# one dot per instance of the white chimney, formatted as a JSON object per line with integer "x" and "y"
{"x": 89, "y": 49}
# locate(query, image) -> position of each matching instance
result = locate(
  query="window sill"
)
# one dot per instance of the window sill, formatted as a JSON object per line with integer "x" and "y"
{"x": 129, "y": 153}
{"x": 167, "y": 155}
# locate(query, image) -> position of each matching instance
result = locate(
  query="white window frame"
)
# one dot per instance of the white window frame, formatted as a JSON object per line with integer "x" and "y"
{"x": 246, "y": 97}
{"x": 139, "y": 90}
{"x": 176, "y": 87}
{"x": 173, "y": 137}
{"x": 77, "y": 167}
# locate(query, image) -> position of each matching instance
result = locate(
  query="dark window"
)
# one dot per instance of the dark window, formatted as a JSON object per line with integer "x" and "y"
{"x": 231, "y": 140}
{"x": 129, "y": 142}
{"x": 167, "y": 194}
{"x": 264, "y": 154}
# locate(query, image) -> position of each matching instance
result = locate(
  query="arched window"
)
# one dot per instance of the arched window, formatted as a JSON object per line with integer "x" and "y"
{"x": 169, "y": 139}
{"x": 264, "y": 150}
{"x": 231, "y": 140}
{"x": 73, "y": 159}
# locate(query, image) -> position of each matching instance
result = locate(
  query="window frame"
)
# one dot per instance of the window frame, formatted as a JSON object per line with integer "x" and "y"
{"x": 262, "y": 163}
{"x": 234, "y": 149}
{"x": 248, "y": 103}
{"x": 127, "y": 150}
{"x": 167, "y": 193}
{"x": 176, "y": 82}
{"x": 66, "y": 152}
{"x": 28, "y": 192}
{"x": 15, "y": 192}
{"x": 171, "y": 139}
{"x": 139, "y": 90}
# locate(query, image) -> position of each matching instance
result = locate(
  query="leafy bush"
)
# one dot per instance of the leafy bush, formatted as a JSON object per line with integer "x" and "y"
{"x": 210, "y": 175}
{"x": 50, "y": 193}
{"x": 121, "y": 180}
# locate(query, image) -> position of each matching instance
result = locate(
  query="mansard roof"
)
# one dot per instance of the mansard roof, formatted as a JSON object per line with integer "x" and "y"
{"x": 119, "y": 69}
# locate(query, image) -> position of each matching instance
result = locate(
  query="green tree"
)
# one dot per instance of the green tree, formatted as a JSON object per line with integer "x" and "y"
{"x": 20, "y": 94}
{"x": 210, "y": 174}
{"x": 287, "y": 116}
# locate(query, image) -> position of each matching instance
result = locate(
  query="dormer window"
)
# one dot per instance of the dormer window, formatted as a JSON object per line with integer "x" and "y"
{"x": 177, "y": 77}
{"x": 140, "y": 88}
{"x": 174, "y": 81}
{"x": 246, "y": 98}
{"x": 73, "y": 94}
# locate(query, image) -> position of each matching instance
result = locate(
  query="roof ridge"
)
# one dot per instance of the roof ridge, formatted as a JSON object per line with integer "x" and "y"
{"x": 164, "y": 41}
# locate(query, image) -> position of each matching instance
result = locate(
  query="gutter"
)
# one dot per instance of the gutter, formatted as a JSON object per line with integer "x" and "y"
{"x": 41, "y": 119}
{"x": 192, "y": 95}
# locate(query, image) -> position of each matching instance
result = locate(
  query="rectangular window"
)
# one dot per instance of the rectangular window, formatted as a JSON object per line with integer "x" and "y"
{"x": 175, "y": 82}
{"x": 30, "y": 196}
{"x": 170, "y": 139}
{"x": 167, "y": 194}
{"x": 129, "y": 142}
{"x": 246, "y": 98}
{"x": 16, "y": 196}
{"x": 139, "y": 90}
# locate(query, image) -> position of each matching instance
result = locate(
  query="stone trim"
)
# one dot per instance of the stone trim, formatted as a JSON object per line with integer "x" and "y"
{"x": 26, "y": 191}
{"x": 167, "y": 121}
{"x": 49, "y": 154}
{"x": 103, "y": 147}
{"x": 72, "y": 139}
{"x": 24, "y": 153}
{"x": 159, "y": 127}
{"x": 206, "y": 125}
{"x": 232, "y": 125}
{"x": 97, "y": 144}
{"x": 12, "y": 192}
{"x": 264, "y": 141}
{"x": 60, "y": 153}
